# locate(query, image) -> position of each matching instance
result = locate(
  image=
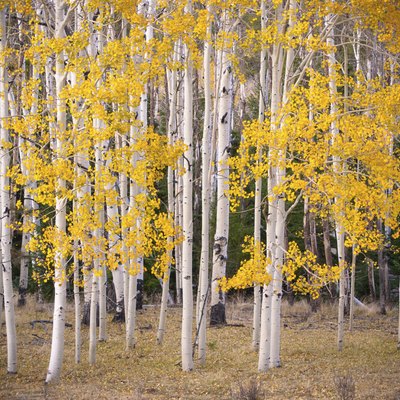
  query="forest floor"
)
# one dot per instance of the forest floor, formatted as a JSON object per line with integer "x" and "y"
{"x": 311, "y": 366}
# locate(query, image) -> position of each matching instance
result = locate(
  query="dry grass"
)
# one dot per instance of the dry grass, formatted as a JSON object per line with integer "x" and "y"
{"x": 311, "y": 364}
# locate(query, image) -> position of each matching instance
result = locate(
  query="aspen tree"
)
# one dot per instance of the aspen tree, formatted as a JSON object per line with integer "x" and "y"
{"x": 281, "y": 215}
{"x": 179, "y": 49}
{"x": 187, "y": 215}
{"x": 258, "y": 185}
{"x": 77, "y": 295}
{"x": 220, "y": 253}
{"x": 5, "y": 207}
{"x": 57, "y": 344}
{"x": 276, "y": 96}
{"x": 171, "y": 132}
{"x": 205, "y": 196}
{"x": 136, "y": 260}
{"x": 340, "y": 234}
{"x": 114, "y": 217}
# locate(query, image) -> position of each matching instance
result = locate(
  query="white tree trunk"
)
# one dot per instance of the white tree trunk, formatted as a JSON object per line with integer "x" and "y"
{"x": 135, "y": 263}
{"x": 220, "y": 253}
{"x": 178, "y": 177}
{"x": 77, "y": 303}
{"x": 172, "y": 95}
{"x": 93, "y": 319}
{"x": 113, "y": 219}
{"x": 272, "y": 289}
{"x": 103, "y": 277}
{"x": 258, "y": 184}
{"x": 5, "y": 212}
{"x": 334, "y": 131}
{"x": 205, "y": 199}
{"x": 187, "y": 224}
{"x": 57, "y": 344}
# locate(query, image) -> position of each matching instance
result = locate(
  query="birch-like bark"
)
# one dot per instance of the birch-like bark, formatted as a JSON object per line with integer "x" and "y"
{"x": 187, "y": 223}
{"x": 265, "y": 332}
{"x": 93, "y": 317}
{"x": 134, "y": 260}
{"x": 77, "y": 304}
{"x": 334, "y": 131}
{"x": 269, "y": 355}
{"x": 280, "y": 244}
{"x": 77, "y": 295}
{"x": 205, "y": 200}
{"x": 172, "y": 95}
{"x": 220, "y": 251}
{"x": 57, "y": 344}
{"x": 258, "y": 184}
{"x": 113, "y": 219}
{"x": 99, "y": 234}
{"x": 5, "y": 210}
{"x": 178, "y": 177}
{"x": 98, "y": 269}
{"x": 122, "y": 141}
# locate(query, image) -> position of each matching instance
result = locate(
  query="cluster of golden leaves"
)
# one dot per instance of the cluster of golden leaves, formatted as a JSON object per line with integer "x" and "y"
{"x": 359, "y": 189}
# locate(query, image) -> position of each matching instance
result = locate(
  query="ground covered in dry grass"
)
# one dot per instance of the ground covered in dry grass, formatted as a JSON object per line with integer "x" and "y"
{"x": 311, "y": 366}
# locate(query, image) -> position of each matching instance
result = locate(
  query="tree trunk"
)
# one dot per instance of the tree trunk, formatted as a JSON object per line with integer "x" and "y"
{"x": 187, "y": 223}
{"x": 5, "y": 211}
{"x": 220, "y": 251}
{"x": 205, "y": 199}
{"x": 258, "y": 184}
{"x": 266, "y": 312}
{"x": 172, "y": 96}
{"x": 60, "y": 300}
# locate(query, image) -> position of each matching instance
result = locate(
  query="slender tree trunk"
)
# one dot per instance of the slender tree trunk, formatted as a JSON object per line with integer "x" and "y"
{"x": 337, "y": 167}
{"x": 101, "y": 254}
{"x": 187, "y": 223}
{"x": 172, "y": 94}
{"x": 178, "y": 177}
{"x": 135, "y": 261}
{"x": 258, "y": 185}
{"x": 93, "y": 318}
{"x": 60, "y": 299}
{"x": 205, "y": 200}
{"x": 265, "y": 332}
{"x": 220, "y": 253}
{"x": 77, "y": 303}
{"x": 280, "y": 232}
{"x": 5, "y": 211}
